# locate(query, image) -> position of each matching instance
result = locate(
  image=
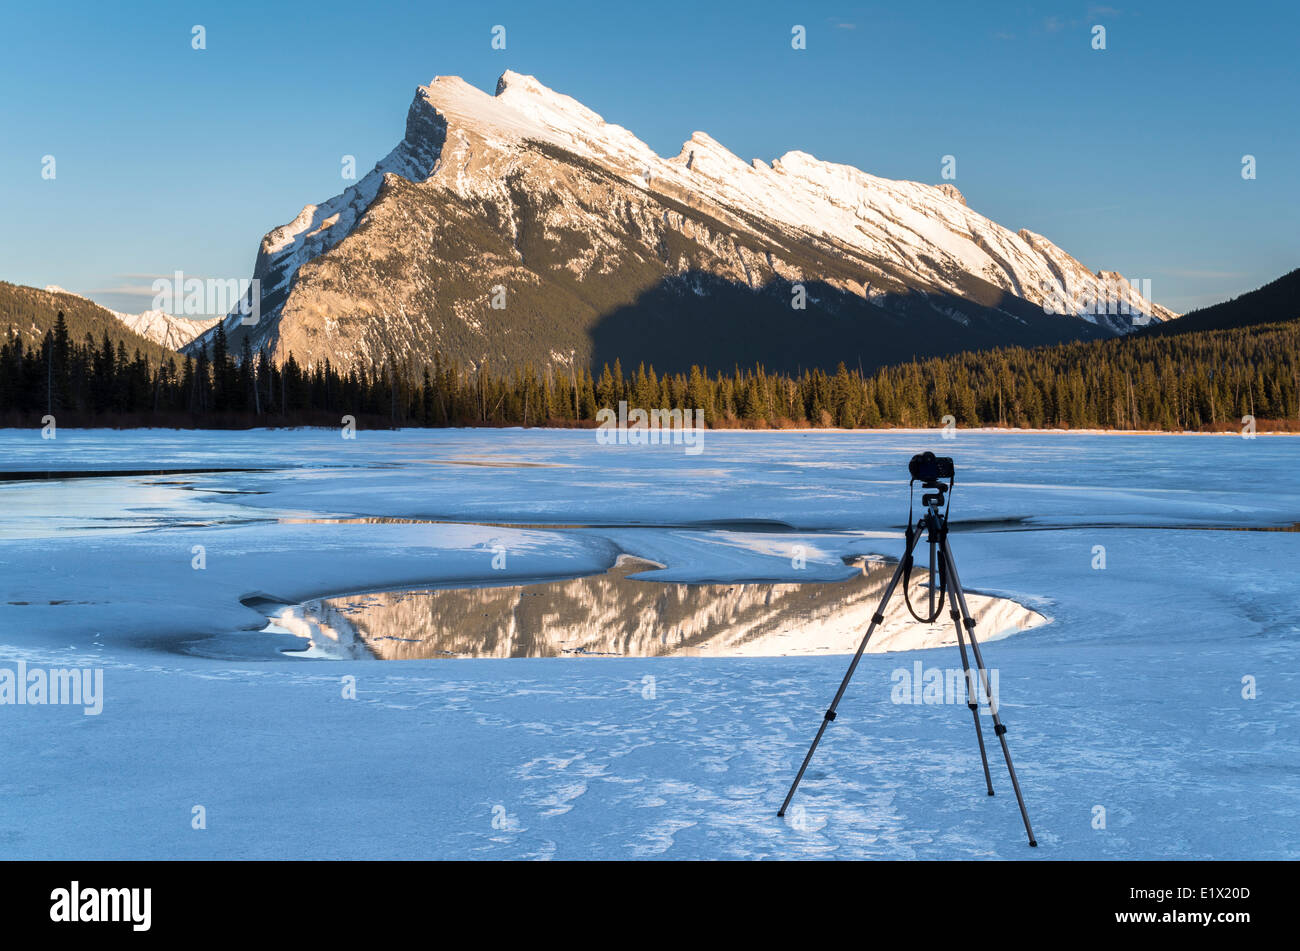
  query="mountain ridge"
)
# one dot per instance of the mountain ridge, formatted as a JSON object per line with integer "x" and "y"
{"x": 594, "y": 237}
{"x": 1279, "y": 299}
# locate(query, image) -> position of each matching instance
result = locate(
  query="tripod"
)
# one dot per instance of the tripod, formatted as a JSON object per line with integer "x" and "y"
{"x": 934, "y": 524}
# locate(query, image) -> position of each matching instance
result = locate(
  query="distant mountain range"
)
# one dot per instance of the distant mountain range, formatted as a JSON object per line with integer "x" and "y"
{"x": 30, "y": 312}
{"x": 167, "y": 329}
{"x": 521, "y": 228}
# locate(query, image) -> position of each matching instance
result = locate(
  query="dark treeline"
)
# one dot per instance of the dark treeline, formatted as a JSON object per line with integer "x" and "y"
{"x": 1201, "y": 380}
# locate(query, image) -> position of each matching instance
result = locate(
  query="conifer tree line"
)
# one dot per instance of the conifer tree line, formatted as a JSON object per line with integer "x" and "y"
{"x": 1200, "y": 380}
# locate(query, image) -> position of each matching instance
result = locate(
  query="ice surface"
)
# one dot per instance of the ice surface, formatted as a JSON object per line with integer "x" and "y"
{"x": 1131, "y": 700}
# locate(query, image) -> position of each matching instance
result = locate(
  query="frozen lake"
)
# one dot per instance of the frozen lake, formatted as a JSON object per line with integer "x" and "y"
{"x": 1157, "y": 715}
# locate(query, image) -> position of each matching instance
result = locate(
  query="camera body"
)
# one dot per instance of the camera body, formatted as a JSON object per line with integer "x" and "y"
{"x": 927, "y": 467}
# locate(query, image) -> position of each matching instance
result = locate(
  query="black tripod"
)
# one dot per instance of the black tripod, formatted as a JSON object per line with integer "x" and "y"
{"x": 935, "y": 524}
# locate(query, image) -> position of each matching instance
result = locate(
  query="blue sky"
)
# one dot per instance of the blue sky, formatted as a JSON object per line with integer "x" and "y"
{"x": 1130, "y": 158}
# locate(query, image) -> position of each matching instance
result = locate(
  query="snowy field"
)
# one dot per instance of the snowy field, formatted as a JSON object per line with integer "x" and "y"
{"x": 1157, "y": 714}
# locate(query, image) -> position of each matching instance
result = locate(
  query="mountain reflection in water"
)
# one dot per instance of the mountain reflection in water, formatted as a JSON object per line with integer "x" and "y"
{"x": 614, "y": 615}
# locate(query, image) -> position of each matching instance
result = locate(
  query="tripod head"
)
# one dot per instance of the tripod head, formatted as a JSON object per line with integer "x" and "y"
{"x": 936, "y": 498}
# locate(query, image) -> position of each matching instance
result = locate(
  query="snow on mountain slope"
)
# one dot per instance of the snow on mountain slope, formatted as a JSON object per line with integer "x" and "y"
{"x": 529, "y": 163}
{"x": 907, "y": 222}
{"x": 167, "y": 329}
{"x": 318, "y": 228}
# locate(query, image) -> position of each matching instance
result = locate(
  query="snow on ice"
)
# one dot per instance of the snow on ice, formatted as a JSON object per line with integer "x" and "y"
{"x": 1156, "y": 714}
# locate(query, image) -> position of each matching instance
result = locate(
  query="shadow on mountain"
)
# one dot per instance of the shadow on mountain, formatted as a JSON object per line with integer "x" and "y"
{"x": 701, "y": 319}
{"x": 1275, "y": 301}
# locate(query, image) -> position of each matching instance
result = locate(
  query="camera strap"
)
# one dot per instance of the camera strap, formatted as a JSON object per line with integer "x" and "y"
{"x": 908, "y": 563}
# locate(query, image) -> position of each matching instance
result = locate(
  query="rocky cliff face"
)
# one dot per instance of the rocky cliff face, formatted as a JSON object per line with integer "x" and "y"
{"x": 521, "y": 227}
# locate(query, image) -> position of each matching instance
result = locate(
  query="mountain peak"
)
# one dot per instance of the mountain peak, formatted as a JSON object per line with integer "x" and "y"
{"x": 949, "y": 189}
{"x": 521, "y": 82}
{"x": 563, "y": 192}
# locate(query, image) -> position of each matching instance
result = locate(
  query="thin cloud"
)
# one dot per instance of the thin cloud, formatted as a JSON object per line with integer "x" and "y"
{"x": 169, "y": 275}
{"x": 126, "y": 290}
{"x": 133, "y": 289}
{"x": 1056, "y": 24}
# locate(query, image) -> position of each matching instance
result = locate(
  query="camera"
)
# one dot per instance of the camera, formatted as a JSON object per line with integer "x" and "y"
{"x": 927, "y": 467}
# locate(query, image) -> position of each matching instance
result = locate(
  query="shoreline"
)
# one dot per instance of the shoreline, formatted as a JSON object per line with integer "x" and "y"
{"x": 899, "y": 430}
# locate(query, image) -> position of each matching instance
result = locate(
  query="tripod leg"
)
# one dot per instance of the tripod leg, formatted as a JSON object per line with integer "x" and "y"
{"x": 972, "y": 692}
{"x": 877, "y": 619}
{"x": 998, "y": 727}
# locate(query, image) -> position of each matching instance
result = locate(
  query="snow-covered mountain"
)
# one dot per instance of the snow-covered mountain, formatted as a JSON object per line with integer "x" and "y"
{"x": 159, "y": 326}
{"x": 523, "y": 226}
{"x": 167, "y": 329}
